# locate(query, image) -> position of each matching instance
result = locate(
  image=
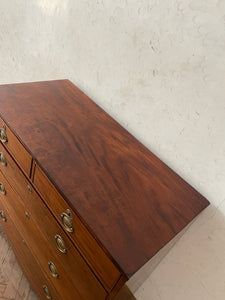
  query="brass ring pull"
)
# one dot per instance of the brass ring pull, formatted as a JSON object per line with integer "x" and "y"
{"x": 47, "y": 293}
{"x": 53, "y": 269}
{"x": 3, "y": 136}
{"x": 2, "y": 189}
{"x": 3, "y": 159}
{"x": 3, "y": 216}
{"x": 60, "y": 243}
{"x": 67, "y": 220}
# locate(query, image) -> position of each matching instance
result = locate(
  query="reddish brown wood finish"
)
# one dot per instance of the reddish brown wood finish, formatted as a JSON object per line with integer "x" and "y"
{"x": 129, "y": 198}
{"x": 117, "y": 288}
{"x": 17, "y": 150}
{"x": 88, "y": 246}
{"x": 84, "y": 241}
{"x": 28, "y": 263}
{"x": 75, "y": 277}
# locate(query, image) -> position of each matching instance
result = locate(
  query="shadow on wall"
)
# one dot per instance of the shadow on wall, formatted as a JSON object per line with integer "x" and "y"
{"x": 125, "y": 294}
{"x": 195, "y": 261}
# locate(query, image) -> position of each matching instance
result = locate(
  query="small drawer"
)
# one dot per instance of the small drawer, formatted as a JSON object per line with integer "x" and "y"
{"x": 12, "y": 172}
{"x": 31, "y": 269}
{"x": 16, "y": 149}
{"x": 85, "y": 242}
{"x": 68, "y": 271}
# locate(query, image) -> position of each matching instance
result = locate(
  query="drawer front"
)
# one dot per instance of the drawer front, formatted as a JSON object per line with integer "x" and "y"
{"x": 39, "y": 229}
{"x": 13, "y": 145}
{"x": 31, "y": 269}
{"x": 88, "y": 246}
{"x": 12, "y": 172}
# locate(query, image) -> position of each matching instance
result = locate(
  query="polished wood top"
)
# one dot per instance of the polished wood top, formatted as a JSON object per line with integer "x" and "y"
{"x": 128, "y": 197}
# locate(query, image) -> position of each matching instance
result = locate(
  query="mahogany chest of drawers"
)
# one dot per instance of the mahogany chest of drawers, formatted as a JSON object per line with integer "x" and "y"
{"x": 83, "y": 203}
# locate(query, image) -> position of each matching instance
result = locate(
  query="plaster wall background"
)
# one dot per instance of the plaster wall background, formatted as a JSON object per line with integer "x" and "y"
{"x": 158, "y": 67}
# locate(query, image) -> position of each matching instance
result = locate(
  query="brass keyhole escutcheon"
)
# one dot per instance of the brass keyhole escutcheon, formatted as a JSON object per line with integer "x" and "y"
{"x": 3, "y": 159}
{"x": 3, "y": 217}
{"x": 67, "y": 220}
{"x": 53, "y": 270}
{"x": 29, "y": 189}
{"x": 47, "y": 293}
{"x": 3, "y": 136}
{"x": 2, "y": 189}
{"x": 60, "y": 243}
{"x": 27, "y": 216}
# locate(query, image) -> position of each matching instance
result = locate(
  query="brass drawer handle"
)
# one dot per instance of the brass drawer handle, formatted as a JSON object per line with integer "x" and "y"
{"x": 47, "y": 293}
{"x": 67, "y": 220}
{"x": 3, "y": 136}
{"x": 3, "y": 159}
{"x": 2, "y": 189}
{"x": 3, "y": 216}
{"x": 53, "y": 269}
{"x": 60, "y": 243}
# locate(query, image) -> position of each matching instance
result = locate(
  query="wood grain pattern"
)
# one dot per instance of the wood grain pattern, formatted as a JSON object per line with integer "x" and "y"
{"x": 13, "y": 283}
{"x": 12, "y": 173}
{"x": 117, "y": 288}
{"x": 97, "y": 259}
{"x": 74, "y": 274}
{"x": 129, "y": 198}
{"x": 84, "y": 241}
{"x": 28, "y": 264}
{"x": 17, "y": 150}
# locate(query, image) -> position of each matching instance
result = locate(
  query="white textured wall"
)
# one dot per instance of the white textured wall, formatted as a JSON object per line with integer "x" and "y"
{"x": 158, "y": 67}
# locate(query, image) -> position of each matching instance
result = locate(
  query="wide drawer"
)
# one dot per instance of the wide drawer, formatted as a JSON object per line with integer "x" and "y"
{"x": 87, "y": 245}
{"x": 16, "y": 149}
{"x": 84, "y": 240}
{"x": 31, "y": 269}
{"x": 39, "y": 229}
